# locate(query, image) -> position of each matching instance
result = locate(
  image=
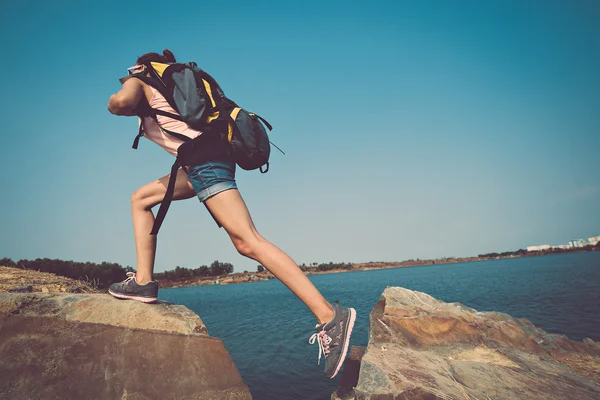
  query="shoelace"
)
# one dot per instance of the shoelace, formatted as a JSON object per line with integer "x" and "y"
{"x": 323, "y": 341}
{"x": 130, "y": 277}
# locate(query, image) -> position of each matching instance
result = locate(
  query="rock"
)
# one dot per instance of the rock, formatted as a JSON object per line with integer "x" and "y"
{"x": 21, "y": 289}
{"x": 39, "y": 281}
{"x": 590, "y": 342}
{"x": 423, "y": 348}
{"x": 74, "y": 289}
{"x": 92, "y": 346}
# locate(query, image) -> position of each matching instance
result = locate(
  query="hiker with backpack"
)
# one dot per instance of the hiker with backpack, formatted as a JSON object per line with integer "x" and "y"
{"x": 182, "y": 109}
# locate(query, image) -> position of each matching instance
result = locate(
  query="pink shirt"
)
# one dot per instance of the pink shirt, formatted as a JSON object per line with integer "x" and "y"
{"x": 153, "y": 132}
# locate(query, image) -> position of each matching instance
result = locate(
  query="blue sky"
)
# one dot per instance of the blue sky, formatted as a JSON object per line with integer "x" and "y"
{"x": 413, "y": 129}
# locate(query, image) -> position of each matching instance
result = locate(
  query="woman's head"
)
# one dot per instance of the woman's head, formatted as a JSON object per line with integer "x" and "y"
{"x": 167, "y": 57}
{"x": 140, "y": 68}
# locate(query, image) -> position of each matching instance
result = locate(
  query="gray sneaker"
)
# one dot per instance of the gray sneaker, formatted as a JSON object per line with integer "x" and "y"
{"x": 130, "y": 289}
{"x": 334, "y": 337}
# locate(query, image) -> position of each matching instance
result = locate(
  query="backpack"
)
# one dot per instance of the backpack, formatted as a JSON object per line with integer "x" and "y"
{"x": 202, "y": 105}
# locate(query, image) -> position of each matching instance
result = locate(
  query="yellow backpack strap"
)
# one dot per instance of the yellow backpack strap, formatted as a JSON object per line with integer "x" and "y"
{"x": 230, "y": 125}
{"x": 159, "y": 67}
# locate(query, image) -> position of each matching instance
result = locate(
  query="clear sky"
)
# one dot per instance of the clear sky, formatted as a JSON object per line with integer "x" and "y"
{"x": 413, "y": 129}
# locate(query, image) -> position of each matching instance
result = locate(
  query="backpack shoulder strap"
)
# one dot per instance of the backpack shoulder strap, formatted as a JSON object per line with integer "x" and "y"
{"x": 136, "y": 141}
{"x": 155, "y": 81}
{"x": 166, "y": 202}
{"x": 153, "y": 114}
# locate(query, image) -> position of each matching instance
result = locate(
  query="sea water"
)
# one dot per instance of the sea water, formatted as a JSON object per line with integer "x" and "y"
{"x": 266, "y": 328}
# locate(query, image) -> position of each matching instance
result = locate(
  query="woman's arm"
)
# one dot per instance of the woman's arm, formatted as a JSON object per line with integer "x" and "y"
{"x": 125, "y": 101}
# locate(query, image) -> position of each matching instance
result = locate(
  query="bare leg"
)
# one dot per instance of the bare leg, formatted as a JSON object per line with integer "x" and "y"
{"x": 230, "y": 210}
{"x": 142, "y": 202}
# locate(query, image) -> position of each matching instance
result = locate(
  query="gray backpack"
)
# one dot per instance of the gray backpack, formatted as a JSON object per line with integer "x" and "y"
{"x": 202, "y": 105}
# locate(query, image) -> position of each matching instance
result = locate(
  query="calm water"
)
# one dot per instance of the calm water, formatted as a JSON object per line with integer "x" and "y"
{"x": 266, "y": 328}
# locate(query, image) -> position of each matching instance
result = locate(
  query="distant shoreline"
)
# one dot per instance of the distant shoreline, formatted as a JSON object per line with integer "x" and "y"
{"x": 246, "y": 277}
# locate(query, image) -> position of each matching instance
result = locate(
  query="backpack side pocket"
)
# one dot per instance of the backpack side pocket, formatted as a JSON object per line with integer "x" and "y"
{"x": 248, "y": 139}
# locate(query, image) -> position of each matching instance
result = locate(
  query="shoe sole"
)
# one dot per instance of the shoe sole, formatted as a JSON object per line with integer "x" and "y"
{"x": 346, "y": 342}
{"x": 138, "y": 298}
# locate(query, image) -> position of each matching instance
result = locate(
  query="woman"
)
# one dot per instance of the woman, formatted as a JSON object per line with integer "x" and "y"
{"x": 213, "y": 182}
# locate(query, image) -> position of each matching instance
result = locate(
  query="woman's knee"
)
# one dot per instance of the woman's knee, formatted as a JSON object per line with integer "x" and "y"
{"x": 249, "y": 246}
{"x": 141, "y": 201}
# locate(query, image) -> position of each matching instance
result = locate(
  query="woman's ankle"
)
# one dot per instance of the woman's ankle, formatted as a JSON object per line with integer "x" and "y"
{"x": 325, "y": 316}
{"x": 142, "y": 279}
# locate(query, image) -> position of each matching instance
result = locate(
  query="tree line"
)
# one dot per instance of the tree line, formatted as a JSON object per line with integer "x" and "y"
{"x": 520, "y": 252}
{"x": 102, "y": 275}
{"x": 216, "y": 269}
{"x": 326, "y": 266}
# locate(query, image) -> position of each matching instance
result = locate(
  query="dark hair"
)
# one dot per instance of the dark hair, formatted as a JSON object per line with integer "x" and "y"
{"x": 167, "y": 57}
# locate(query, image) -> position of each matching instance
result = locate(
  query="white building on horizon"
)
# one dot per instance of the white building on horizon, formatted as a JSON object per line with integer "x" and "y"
{"x": 576, "y": 243}
{"x": 538, "y": 248}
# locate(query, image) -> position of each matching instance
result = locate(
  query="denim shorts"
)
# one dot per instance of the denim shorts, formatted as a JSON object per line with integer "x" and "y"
{"x": 211, "y": 177}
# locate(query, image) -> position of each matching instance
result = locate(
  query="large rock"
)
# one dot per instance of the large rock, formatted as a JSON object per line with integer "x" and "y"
{"x": 92, "y": 346}
{"x": 29, "y": 280}
{"x": 423, "y": 348}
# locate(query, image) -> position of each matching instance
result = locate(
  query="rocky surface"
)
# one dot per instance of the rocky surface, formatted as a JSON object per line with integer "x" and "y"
{"x": 423, "y": 348}
{"x": 92, "y": 346}
{"x": 21, "y": 280}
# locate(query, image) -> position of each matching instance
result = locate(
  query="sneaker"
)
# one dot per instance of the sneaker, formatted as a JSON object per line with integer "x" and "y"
{"x": 334, "y": 338}
{"x": 130, "y": 289}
